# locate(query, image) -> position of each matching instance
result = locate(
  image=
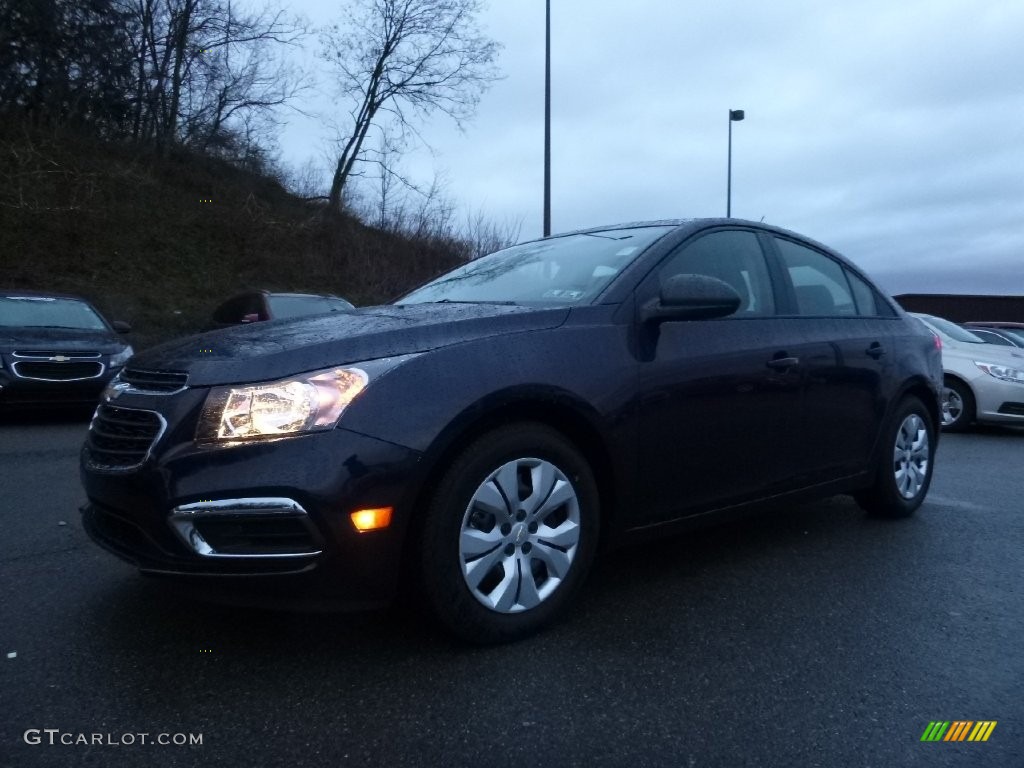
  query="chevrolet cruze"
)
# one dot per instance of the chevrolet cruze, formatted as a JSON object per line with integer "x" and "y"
{"x": 55, "y": 349}
{"x": 478, "y": 439}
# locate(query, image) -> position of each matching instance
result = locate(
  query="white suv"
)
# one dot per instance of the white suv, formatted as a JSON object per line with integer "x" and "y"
{"x": 983, "y": 382}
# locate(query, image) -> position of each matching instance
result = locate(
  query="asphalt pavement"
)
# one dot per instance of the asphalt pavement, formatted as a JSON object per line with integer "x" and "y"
{"x": 812, "y": 636}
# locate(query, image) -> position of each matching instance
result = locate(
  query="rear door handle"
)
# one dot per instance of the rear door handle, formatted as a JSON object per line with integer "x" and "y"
{"x": 876, "y": 350}
{"x": 781, "y": 363}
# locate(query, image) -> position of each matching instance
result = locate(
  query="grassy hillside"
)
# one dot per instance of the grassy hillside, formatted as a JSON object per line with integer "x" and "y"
{"x": 159, "y": 242}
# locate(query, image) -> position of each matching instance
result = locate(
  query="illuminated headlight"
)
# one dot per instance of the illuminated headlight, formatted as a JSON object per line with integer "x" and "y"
{"x": 306, "y": 403}
{"x": 116, "y": 361}
{"x": 1002, "y": 372}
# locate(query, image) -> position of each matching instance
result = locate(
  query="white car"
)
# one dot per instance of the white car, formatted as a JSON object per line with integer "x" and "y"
{"x": 983, "y": 382}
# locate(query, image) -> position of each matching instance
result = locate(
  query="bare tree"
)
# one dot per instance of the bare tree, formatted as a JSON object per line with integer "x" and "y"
{"x": 207, "y": 74}
{"x": 482, "y": 235}
{"x": 400, "y": 60}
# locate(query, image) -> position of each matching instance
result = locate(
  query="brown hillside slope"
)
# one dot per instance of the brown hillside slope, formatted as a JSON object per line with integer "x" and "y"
{"x": 158, "y": 242}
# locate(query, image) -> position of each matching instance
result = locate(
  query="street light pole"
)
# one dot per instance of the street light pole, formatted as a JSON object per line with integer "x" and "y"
{"x": 735, "y": 115}
{"x": 547, "y": 122}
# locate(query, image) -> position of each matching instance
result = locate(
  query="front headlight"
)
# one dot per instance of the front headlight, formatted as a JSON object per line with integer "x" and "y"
{"x": 308, "y": 402}
{"x": 1002, "y": 372}
{"x": 116, "y": 361}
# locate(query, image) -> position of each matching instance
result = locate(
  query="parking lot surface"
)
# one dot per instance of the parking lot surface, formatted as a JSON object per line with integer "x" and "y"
{"x": 811, "y": 636}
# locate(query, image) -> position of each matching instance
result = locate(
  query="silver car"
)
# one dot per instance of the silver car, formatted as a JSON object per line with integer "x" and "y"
{"x": 982, "y": 382}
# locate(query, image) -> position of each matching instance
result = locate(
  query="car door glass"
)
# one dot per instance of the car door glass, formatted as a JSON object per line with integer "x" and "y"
{"x": 863, "y": 295}
{"x": 819, "y": 282}
{"x": 732, "y": 256}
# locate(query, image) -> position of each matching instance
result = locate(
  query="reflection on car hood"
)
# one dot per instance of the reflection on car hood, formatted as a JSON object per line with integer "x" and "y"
{"x": 992, "y": 353}
{"x": 271, "y": 350}
{"x": 59, "y": 339}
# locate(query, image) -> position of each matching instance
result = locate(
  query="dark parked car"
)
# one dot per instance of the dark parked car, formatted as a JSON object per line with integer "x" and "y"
{"x": 56, "y": 349}
{"x": 258, "y": 306}
{"x": 481, "y": 435}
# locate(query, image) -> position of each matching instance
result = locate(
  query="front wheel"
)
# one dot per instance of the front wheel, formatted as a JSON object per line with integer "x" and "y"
{"x": 904, "y": 470}
{"x": 510, "y": 534}
{"x": 958, "y": 407}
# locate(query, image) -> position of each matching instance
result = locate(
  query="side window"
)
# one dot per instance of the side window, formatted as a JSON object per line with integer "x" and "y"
{"x": 863, "y": 294}
{"x": 734, "y": 257}
{"x": 818, "y": 281}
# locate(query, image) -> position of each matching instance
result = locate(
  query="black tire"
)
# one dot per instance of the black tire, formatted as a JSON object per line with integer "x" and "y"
{"x": 445, "y": 585}
{"x": 885, "y": 498}
{"x": 964, "y": 415}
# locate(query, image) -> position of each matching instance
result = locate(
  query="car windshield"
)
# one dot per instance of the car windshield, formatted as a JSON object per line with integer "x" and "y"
{"x": 1013, "y": 333}
{"x": 298, "y": 306}
{"x": 952, "y": 330}
{"x": 48, "y": 312}
{"x": 572, "y": 269}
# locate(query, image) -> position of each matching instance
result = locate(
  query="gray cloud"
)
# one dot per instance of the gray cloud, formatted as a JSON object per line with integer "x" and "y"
{"x": 891, "y": 131}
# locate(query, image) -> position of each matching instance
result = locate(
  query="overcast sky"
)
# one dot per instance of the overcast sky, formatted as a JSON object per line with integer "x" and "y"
{"x": 891, "y": 131}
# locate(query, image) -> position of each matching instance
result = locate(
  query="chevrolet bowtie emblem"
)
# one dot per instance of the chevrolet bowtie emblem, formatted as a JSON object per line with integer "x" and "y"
{"x": 59, "y": 359}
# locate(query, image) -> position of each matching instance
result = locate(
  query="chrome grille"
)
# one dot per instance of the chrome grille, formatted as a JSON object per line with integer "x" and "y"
{"x": 45, "y": 354}
{"x": 163, "y": 382}
{"x": 121, "y": 438}
{"x": 71, "y": 369}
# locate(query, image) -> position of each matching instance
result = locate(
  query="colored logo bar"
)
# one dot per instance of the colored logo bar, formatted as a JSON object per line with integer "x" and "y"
{"x": 958, "y": 730}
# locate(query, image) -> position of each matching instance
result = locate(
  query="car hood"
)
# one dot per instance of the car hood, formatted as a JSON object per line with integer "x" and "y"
{"x": 271, "y": 350}
{"x": 59, "y": 340}
{"x": 992, "y": 353}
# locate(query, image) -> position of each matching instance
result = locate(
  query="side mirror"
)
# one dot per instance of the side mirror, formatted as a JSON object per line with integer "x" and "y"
{"x": 693, "y": 297}
{"x": 121, "y": 326}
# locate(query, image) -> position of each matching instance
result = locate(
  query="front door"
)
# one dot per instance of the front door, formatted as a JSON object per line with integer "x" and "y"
{"x": 718, "y": 397}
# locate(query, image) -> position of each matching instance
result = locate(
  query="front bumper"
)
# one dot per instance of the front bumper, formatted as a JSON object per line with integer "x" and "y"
{"x": 998, "y": 401}
{"x": 275, "y": 511}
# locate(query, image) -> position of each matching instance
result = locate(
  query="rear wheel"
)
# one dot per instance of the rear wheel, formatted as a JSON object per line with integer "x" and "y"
{"x": 958, "y": 409}
{"x": 510, "y": 534}
{"x": 904, "y": 470}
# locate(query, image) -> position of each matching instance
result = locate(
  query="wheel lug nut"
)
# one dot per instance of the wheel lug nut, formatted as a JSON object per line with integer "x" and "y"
{"x": 506, "y": 529}
{"x": 510, "y": 549}
{"x": 521, "y": 515}
{"x": 532, "y": 527}
{"x": 527, "y": 547}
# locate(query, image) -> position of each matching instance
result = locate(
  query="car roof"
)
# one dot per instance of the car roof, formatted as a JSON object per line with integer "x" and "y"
{"x": 697, "y": 224}
{"x": 41, "y": 295}
{"x": 265, "y": 292}
{"x": 995, "y": 324}
{"x": 302, "y": 295}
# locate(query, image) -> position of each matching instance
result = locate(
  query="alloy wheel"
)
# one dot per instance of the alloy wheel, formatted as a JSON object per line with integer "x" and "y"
{"x": 952, "y": 406}
{"x": 519, "y": 535}
{"x": 912, "y": 456}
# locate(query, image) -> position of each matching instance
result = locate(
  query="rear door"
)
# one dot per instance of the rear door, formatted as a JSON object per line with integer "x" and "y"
{"x": 832, "y": 308}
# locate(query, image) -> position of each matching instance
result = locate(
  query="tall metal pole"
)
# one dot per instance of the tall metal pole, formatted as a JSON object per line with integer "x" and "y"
{"x": 734, "y": 116}
{"x": 547, "y": 122}
{"x": 728, "y": 175}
